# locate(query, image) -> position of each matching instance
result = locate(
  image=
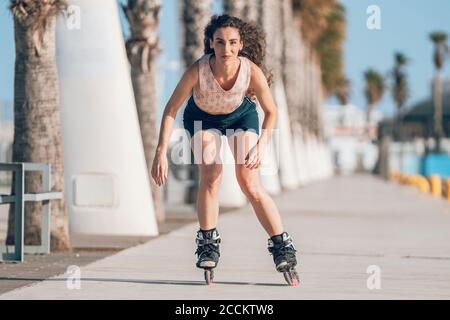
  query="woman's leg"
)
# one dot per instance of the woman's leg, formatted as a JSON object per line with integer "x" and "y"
{"x": 207, "y": 156}
{"x": 249, "y": 181}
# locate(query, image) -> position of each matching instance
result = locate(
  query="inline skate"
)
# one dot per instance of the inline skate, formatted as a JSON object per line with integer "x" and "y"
{"x": 283, "y": 251}
{"x": 208, "y": 252}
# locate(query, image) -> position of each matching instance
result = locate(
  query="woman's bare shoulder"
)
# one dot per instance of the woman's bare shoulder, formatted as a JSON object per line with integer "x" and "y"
{"x": 191, "y": 73}
{"x": 257, "y": 75}
{"x": 194, "y": 67}
{"x": 255, "y": 69}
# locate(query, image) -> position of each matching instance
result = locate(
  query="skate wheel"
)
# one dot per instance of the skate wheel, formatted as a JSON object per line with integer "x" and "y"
{"x": 291, "y": 278}
{"x": 209, "y": 276}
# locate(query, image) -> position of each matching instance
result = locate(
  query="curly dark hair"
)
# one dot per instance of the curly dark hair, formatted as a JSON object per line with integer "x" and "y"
{"x": 254, "y": 39}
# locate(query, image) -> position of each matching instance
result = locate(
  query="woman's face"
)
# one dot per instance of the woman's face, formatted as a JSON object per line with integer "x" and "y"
{"x": 226, "y": 44}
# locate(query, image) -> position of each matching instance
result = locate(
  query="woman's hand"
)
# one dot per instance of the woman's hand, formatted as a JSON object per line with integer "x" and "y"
{"x": 160, "y": 168}
{"x": 254, "y": 157}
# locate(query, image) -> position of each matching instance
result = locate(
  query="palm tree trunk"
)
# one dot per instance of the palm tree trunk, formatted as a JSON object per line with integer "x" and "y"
{"x": 399, "y": 122}
{"x": 369, "y": 116}
{"x": 303, "y": 84}
{"x": 37, "y": 132}
{"x": 318, "y": 97}
{"x": 195, "y": 17}
{"x": 437, "y": 111}
{"x": 142, "y": 51}
{"x": 291, "y": 62}
{"x": 236, "y": 8}
{"x": 252, "y": 10}
{"x": 309, "y": 90}
{"x": 272, "y": 23}
{"x": 397, "y": 125}
{"x": 248, "y": 10}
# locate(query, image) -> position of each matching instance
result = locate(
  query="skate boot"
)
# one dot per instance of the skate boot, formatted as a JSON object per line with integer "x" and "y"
{"x": 208, "y": 252}
{"x": 283, "y": 251}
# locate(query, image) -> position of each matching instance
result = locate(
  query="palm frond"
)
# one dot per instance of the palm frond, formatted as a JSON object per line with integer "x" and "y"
{"x": 330, "y": 49}
{"x": 29, "y": 11}
{"x": 34, "y": 15}
{"x": 143, "y": 44}
{"x": 400, "y": 87}
{"x": 375, "y": 86}
{"x": 400, "y": 59}
{"x": 438, "y": 37}
{"x": 313, "y": 16}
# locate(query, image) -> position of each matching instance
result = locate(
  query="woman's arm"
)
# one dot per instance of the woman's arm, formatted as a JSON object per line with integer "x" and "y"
{"x": 261, "y": 89}
{"x": 160, "y": 167}
{"x": 180, "y": 94}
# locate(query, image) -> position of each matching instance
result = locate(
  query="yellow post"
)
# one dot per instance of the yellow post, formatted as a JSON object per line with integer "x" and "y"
{"x": 404, "y": 179}
{"x": 394, "y": 176}
{"x": 436, "y": 186}
{"x": 422, "y": 183}
{"x": 447, "y": 189}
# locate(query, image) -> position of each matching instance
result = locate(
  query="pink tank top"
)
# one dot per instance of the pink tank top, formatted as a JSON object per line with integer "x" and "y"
{"x": 211, "y": 97}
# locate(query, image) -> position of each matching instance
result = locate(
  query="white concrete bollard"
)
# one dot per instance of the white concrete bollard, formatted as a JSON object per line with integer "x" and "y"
{"x": 107, "y": 186}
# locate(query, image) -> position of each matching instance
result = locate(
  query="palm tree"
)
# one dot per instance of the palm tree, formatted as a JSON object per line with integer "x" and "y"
{"x": 400, "y": 90}
{"x": 195, "y": 16}
{"x": 302, "y": 78}
{"x": 441, "y": 50}
{"x": 37, "y": 130}
{"x": 142, "y": 50}
{"x": 330, "y": 50}
{"x": 373, "y": 91}
{"x": 313, "y": 16}
{"x": 317, "y": 96}
{"x": 292, "y": 61}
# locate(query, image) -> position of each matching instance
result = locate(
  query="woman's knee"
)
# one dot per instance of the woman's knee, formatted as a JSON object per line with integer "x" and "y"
{"x": 206, "y": 146}
{"x": 210, "y": 177}
{"x": 251, "y": 189}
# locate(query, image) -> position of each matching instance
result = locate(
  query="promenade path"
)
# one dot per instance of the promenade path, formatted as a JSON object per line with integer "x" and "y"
{"x": 340, "y": 226}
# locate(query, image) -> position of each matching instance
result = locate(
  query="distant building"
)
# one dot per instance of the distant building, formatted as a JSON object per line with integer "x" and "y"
{"x": 6, "y": 112}
{"x": 6, "y": 136}
{"x": 418, "y": 119}
{"x": 6, "y": 140}
{"x": 350, "y": 137}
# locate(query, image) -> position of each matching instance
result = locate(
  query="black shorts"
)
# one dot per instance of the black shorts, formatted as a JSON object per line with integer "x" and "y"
{"x": 245, "y": 117}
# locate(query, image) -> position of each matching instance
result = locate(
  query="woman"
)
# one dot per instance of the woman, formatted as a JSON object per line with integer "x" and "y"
{"x": 223, "y": 84}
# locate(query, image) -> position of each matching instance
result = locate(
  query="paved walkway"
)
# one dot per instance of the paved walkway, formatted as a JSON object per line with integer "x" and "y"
{"x": 340, "y": 226}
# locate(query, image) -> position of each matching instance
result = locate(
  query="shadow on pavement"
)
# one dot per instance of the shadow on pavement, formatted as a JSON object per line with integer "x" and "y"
{"x": 162, "y": 282}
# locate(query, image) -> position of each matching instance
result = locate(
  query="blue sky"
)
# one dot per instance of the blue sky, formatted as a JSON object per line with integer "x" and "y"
{"x": 405, "y": 26}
